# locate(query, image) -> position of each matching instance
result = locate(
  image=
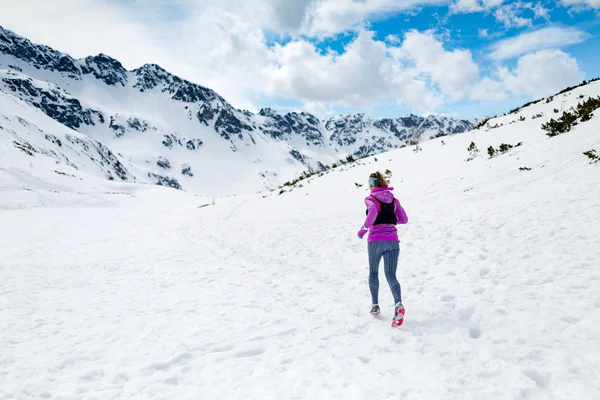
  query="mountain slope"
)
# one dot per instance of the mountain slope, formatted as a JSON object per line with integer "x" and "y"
{"x": 267, "y": 297}
{"x": 150, "y": 115}
{"x": 30, "y": 139}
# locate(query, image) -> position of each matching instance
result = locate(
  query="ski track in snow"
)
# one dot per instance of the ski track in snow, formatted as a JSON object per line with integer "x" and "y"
{"x": 141, "y": 294}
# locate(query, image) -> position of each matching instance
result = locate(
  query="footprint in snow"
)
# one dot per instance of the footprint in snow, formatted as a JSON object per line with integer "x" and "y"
{"x": 537, "y": 377}
{"x": 474, "y": 332}
{"x": 478, "y": 290}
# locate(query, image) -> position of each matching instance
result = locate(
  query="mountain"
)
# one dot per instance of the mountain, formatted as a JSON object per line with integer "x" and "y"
{"x": 187, "y": 136}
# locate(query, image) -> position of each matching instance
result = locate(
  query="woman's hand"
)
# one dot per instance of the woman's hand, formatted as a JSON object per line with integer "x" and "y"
{"x": 362, "y": 232}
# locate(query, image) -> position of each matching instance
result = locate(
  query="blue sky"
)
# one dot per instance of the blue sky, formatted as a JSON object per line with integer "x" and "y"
{"x": 465, "y": 58}
{"x": 478, "y": 32}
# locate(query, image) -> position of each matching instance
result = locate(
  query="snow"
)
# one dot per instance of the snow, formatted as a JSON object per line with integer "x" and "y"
{"x": 120, "y": 290}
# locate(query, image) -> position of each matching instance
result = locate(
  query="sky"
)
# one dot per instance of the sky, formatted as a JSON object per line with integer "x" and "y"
{"x": 386, "y": 58}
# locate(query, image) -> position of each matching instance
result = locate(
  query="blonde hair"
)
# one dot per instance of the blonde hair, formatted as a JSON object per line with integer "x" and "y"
{"x": 380, "y": 178}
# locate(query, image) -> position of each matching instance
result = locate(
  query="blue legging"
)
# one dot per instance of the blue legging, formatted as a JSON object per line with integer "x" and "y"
{"x": 390, "y": 251}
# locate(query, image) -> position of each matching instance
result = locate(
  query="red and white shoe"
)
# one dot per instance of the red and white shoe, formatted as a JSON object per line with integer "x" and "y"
{"x": 375, "y": 310}
{"x": 398, "y": 315}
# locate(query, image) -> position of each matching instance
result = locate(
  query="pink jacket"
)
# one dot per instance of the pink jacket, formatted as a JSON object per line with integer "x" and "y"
{"x": 387, "y": 231}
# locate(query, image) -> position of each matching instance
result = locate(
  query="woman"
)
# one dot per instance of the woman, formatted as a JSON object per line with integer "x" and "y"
{"x": 384, "y": 212}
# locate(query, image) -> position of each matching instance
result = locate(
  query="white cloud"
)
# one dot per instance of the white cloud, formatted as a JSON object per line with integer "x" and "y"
{"x": 453, "y": 70}
{"x": 509, "y": 15}
{"x": 319, "y": 109}
{"x": 472, "y": 6}
{"x": 545, "y": 38}
{"x": 542, "y": 73}
{"x": 419, "y": 73}
{"x": 364, "y": 74}
{"x": 331, "y": 16}
{"x": 311, "y": 17}
{"x": 86, "y": 29}
{"x": 489, "y": 89}
{"x": 541, "y": 12}
{"x": 537, "y": 75}
{"x": 483, "y": 33}
{"x": 583, "y": 3}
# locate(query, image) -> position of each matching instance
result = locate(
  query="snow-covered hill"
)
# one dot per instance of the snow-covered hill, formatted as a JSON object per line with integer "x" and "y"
{"x": 181, "y": 132}
{"x": 113, "y": 289}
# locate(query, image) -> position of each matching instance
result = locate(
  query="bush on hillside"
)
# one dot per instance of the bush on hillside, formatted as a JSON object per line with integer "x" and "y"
{"x": 473, "y": 151}
{"x": 504, "y": 147}
{"x": 592, "y": 155}
{"x": 536, "y": 116}
{"x": 516, "y": 110}
{"x": 583, "y": 83}
{"x": 583, "y": 111}
{"x": 482, "y": 123}
{"x": 524, "y": 169}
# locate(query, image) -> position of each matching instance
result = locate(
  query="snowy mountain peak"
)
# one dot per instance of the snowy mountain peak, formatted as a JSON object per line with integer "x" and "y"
{"x": 39, "y": 56}
{"x": 106, "y": 69}
{"x": 149, "y": 76}
{"x": 269, "y": 112}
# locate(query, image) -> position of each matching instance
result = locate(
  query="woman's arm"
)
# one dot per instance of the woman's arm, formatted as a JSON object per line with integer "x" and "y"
{"x": 372, "y": 212}
{"x": 400, "y": 213}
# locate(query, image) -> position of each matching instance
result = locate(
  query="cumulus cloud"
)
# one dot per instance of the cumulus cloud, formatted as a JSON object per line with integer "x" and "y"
{"x": 362, "y": 75}
{"x": 542, "y": 73}
{"x": 489, "y": 89}
{"x": 545, "y": 38}
{"x": 537, "y": 75}
{"x": 453, "y": 70}
{"x": 321, "y": 110}
{"x": 418, "y": 72}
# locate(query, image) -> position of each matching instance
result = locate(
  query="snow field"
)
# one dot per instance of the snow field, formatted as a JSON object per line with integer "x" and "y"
{"x": 111, "y": 291}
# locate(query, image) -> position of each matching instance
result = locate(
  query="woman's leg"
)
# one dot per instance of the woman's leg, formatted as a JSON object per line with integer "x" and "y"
{"x": 374, "y": 259}
{"x": 390, "y": 264}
